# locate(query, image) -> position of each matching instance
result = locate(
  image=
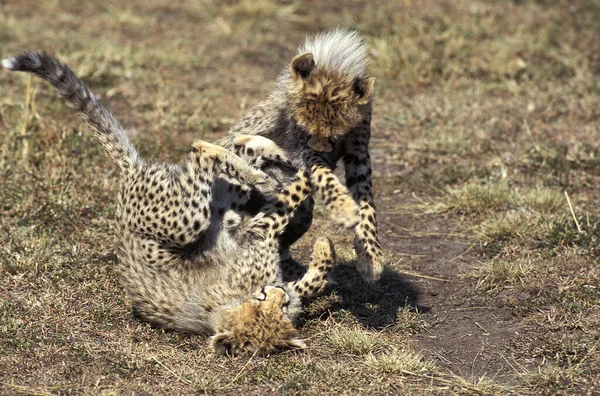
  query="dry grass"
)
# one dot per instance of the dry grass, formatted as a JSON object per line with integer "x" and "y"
{"x": 355, "y": 341}
{"x": 498, "y": 273}
{"x": 473, "y": 198}
{"x": 399, "y": 362}
{"x": 486, "y": 111}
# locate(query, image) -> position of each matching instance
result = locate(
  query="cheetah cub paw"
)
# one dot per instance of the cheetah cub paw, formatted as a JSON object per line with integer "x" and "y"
{"x": 369, "y": 261}
{"x": 258, "y": 146}
{"x": 232, "y": 165}
{"x": 345, "y": 210}
{"x": 260, "y": 152}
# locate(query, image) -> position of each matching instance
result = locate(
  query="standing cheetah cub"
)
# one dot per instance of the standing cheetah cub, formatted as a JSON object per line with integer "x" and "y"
{"x": 324, "y": 100}
{"x": 184, "y": 266}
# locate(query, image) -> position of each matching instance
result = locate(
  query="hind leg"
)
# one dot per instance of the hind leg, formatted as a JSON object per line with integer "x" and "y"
{"x": 262, "y": 154}
{"x": 180, "y": 211}
{"x": 171, "y": 206}
{"x": 267, "y": 155}
{"x": 315, "y": 279}
{"x": 275, "y": 215}
{"x": 260, "y": 235}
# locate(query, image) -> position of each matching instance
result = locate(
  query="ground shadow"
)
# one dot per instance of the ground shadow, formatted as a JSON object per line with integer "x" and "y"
{"x": 374, "y": 306}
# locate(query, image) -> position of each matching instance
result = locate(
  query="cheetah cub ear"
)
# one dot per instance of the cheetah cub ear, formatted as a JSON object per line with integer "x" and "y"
{"x": 296, "y": 342}
{"x": 364, "y": 88}
{"x": 223, "y": 344}
{"x": 302, "y": 66}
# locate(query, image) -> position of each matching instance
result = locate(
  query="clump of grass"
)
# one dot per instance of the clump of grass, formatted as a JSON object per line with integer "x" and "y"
{"x": 483, "y": 385}
{"x": 499, "y": 272}
{"x": 30, "y": 251}
{"x": 563, "y": 231}
{"x": 260, "y": 14}
{"x": 501, "y": 227}
{"x": 542, "y": 199}
{"x": 409, "y": 321}
{"x": 355, "y": 341}
{"x": 445, "y": 140}
{"x": 540, "y": 228}
{"x": 546, "y": 377}
{"x": 399, "y": 362}
{"x": 474, "y": 198}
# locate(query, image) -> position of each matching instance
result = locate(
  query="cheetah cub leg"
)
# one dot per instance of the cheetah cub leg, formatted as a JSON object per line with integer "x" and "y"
{"x": 369, "y": 256}
{"x": 291, "y": 270}
{"x": 263, "y": 153}
{"x": 274, "y": 216}
{"x": 189, "y": 203}
{"x": 315, "y": 279}
{"x": 230, "y": 165}
{"x": 336, "y": 196}
{"x": 259, "y": 150}
{"x": 240, "y": 176}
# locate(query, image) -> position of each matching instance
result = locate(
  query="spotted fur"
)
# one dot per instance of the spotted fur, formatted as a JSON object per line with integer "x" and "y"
{"x": 185, "y": 265}
{"x": 324, "y": 101}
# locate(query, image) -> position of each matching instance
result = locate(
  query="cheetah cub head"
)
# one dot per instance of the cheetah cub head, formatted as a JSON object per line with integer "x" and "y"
{"x": 327, "y": 103}
{"x": 261, "y": 324}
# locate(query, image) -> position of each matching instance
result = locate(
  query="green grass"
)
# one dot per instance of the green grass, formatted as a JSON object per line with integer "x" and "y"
{"x": 486, "y": 113}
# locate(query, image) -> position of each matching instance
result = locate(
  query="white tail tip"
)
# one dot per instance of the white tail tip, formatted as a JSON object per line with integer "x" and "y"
{"x": 9, "y": 63}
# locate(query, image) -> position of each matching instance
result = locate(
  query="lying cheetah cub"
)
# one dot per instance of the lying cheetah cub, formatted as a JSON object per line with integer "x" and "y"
{"x": 185, "y": 267}
{"x": 324, "y": 101}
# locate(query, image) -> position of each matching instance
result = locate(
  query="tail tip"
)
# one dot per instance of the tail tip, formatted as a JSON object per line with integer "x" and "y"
{"x": 9, "y": 63}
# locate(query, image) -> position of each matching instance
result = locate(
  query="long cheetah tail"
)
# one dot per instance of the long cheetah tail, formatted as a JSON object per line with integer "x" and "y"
{"x": 78, "y": 96}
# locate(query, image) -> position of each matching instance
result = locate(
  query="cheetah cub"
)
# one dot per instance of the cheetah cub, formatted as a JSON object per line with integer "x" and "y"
{"x": 184, "y": 266}
{"x": 324, "y": 101}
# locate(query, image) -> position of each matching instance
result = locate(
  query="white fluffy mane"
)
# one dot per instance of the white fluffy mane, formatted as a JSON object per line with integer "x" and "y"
{"x": 339, "y": 49}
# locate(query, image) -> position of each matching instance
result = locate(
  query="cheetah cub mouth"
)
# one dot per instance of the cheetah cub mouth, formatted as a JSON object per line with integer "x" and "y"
{"x": 259, "y": 325}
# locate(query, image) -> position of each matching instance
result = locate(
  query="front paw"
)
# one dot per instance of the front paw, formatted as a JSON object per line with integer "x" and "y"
{"x": 345, "y": 211}
{"x": 369, "y": 261}
{"x": 252, "y": 146}
{"x": 323, "y": 255}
